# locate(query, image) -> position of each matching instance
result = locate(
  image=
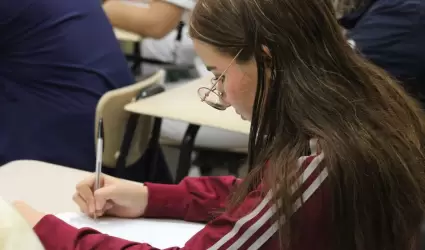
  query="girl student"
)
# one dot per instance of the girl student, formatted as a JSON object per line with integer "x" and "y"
{"x": 336, "y": 145}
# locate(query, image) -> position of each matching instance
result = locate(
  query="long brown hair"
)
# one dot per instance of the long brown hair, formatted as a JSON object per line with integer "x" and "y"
{"x": 371, "y": 132}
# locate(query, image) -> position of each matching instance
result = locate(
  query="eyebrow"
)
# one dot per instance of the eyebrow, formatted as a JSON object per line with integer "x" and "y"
{"x": 209, "y": 68}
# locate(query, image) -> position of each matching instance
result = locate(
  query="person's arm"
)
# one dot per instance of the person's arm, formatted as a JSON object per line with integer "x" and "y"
{"x": 251, "y": 226}
{"x": 156, "y": 21}
{"x": 221, "y": 231}
{"x": 193, "y": 199}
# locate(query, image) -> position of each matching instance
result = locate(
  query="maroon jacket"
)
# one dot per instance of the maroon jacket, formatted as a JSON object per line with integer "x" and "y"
{"x": 251, "y": 226}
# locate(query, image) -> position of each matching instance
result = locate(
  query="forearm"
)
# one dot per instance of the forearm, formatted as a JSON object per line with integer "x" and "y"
{"x": 147, "y": 22}
{"x": 194, "y": 199}
{"x": 65, "y": 236}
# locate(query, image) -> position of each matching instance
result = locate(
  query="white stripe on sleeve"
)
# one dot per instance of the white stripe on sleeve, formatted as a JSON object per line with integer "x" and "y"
{"x": 250, "y": 232}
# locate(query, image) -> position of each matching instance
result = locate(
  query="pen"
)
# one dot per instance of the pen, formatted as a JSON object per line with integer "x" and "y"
{"x": 99, "y": 155}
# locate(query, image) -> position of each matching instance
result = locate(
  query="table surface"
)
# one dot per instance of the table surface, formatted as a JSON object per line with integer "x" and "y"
{"x": 126, "y": 36}
{"x": 183, "y": 103}
{"x": 49, "y": 188}
{"x": 46, "y": 187}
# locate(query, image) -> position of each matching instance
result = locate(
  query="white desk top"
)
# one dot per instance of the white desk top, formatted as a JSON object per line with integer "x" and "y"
{"x": 182, "y": 103}
{"x": 49, "y": 188}
{"x": 126, "y": 36}
{"x": 46, "y": 187}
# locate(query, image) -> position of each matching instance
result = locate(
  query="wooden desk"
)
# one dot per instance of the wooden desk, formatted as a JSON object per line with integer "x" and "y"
{"x": 183, "y": 103}
{"x": 126, "y": 36}
{"x": 46, "y": 187}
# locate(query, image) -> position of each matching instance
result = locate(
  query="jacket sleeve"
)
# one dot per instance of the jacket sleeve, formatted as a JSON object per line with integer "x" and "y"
{"x": 194, "y": 199}
{"x": 227, "y": 229}
{"x": 250, "y": 226}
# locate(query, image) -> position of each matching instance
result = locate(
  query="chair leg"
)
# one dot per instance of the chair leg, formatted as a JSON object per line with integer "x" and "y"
{"x": 154, "y": 145}
{"x": 126, "y": 143}
{"x": 186, "y": 149}
{"x": 137, "y": 61}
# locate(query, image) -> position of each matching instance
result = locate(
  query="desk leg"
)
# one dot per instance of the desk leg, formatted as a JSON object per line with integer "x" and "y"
{"x": 135, "y": 68}
{"x": 186, "y": 149}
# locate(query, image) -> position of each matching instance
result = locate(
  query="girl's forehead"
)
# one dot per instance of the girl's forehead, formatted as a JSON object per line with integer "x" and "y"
{"x": 213, "y": 59}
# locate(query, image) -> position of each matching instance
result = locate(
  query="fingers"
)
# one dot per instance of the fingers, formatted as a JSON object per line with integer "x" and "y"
{"x": 103, "y": 195}
{"x": 93, "y": 203}
{"x": 85, "y": 194}
{"x": 108, "y": 206}
{"x": 81, "y": 204}
{"x": 84, "y": 208}
{"x": 89, "y": 181}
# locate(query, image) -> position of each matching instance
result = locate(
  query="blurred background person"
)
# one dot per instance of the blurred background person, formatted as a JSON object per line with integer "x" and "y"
{"x": 56, "y": 60}
{"x": 391, "y": 34}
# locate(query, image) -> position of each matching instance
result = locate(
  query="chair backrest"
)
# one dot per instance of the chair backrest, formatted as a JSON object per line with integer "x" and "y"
{"x": 15, "y": 233}
{"x": 111, "y": 109}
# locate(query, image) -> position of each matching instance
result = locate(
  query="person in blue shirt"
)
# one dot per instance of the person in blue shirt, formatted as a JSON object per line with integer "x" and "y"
{"x": 57, "y": 58}
{"x": 390, "y": 33}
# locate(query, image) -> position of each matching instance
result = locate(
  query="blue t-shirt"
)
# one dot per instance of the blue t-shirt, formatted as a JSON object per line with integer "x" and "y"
{"x": 57, "y": 58}
{"x": 391, "y": 33}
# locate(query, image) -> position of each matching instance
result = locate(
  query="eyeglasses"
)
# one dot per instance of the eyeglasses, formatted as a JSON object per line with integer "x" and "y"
{"x": 212, "y": 96}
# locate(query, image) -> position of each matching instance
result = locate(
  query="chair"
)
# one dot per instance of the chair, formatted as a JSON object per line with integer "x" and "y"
{"x": 127, "y": 135}
{"x": 15, "y": 233}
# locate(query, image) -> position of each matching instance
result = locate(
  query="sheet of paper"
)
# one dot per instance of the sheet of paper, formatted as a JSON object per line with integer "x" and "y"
{"x": 158, "y": 233}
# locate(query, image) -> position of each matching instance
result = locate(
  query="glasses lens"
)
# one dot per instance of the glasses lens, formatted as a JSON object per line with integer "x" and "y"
{"x": 211, "y": 98}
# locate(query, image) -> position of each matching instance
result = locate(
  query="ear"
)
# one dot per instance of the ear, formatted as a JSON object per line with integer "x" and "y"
{"x": 266, "y": 51}
{"x": 267, "y": 55}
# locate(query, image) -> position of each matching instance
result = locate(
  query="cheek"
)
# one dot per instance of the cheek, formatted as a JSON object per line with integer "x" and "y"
{"x": 241, "y": 86}
{"x": 233, "y": 89}
{"x": 240, "y": 93}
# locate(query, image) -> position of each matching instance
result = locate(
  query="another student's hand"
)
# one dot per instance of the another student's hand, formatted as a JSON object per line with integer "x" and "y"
{"x": 31, "y": 215}
{"x": 117, "y": 197}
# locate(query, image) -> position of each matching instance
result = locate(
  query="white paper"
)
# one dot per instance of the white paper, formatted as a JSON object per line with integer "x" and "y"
{"x": 156, "y": 232}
